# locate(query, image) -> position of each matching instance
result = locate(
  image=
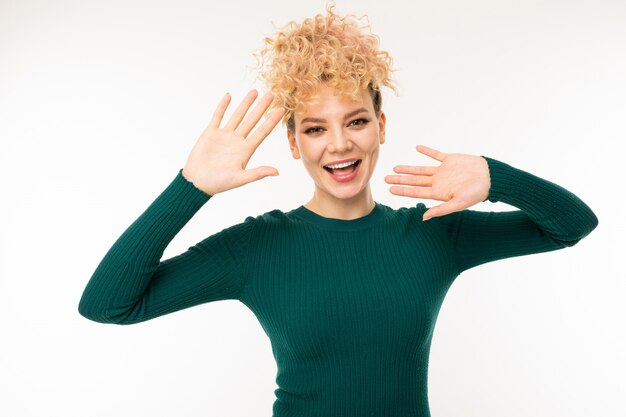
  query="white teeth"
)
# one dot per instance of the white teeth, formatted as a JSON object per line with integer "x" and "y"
{"x": 342, "y": 165}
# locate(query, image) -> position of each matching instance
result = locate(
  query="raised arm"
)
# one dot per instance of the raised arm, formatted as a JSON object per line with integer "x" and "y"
{"x": 132, "y": 285}
{"x": 549, "y": 218}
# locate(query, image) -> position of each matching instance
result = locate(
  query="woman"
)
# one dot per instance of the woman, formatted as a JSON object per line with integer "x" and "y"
{"x": 347, "y": 289}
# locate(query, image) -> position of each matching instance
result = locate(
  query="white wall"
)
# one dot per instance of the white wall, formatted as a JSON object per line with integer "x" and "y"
{"x": 101, "y": 102}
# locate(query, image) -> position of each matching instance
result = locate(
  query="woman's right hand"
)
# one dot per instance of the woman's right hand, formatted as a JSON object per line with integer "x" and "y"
{"x": 218, "y": 159}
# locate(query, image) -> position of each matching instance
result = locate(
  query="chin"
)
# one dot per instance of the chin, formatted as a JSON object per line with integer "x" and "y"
{"x": 343, "y": 191}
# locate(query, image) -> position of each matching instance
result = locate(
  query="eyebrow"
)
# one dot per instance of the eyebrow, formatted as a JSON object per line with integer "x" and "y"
{"x": 347, "y": 116}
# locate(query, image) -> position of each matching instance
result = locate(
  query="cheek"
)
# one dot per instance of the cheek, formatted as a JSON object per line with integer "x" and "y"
{"x": 312, "y": 151}
{"x": 372, "y": 139}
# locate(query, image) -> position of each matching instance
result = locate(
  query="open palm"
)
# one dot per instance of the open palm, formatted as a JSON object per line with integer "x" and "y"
{"x": 460, "y": 181}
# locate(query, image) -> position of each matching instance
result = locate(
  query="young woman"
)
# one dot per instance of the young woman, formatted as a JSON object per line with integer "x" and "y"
{"x": 347, "y": 289}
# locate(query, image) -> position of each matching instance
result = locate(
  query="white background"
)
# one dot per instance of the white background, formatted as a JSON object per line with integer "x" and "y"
{"x": 101, "y": 103}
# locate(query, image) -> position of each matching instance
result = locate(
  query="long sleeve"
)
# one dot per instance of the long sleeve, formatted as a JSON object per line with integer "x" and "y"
{"x": 549, "y": 218}
{"x": 132, "y": 285}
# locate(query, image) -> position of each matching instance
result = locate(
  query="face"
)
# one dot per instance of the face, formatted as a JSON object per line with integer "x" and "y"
{"x": 335, "y": 128}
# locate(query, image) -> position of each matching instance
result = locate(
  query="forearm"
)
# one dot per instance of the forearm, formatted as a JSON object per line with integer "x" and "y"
{"x": 124, "y": 273}
{"x": 557, "y": 211}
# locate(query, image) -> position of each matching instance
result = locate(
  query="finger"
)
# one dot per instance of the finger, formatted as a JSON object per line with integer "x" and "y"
{"x": 413, "y": 192}
{"x": 442, "y": 209}
{"x": 241, "y": 110}
{"x": 219, "y": 111}
{"x": 418, "y": 180}
{"x": 415, "y": 170}
{"x": 253, "y": 118}
{"x": 255, "y": 174}
{"x": 262, "y": 131}
{"x": 433, "y": 153}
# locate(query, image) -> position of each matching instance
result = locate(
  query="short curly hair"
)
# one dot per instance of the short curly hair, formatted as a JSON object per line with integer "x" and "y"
{"x": 324, "y": 49}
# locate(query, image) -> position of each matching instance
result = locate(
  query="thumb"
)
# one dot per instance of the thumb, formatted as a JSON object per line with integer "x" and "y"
{"x": 433, "y": 212}
{"x": 442, "y": 209}
{"x": 429, "y": 214}
{"x": 256, "y": 174}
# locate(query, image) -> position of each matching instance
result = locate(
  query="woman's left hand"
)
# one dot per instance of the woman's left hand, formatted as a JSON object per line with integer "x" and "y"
{"x": 461, "y": 180}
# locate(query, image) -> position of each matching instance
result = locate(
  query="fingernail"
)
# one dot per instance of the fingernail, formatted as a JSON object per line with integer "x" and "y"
{"x": 425, "y": 218}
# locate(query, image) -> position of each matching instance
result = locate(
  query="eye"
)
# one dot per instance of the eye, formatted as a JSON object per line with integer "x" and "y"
{"x": 365, "y": 121}
{"x": 313, "y": 129}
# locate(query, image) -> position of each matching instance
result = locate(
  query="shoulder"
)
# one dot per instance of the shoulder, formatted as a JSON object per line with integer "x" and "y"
{"x": 269, "y": 218}
{"x": 409, "y": 214}
{"x": 410, "y": 211}
{"x": 254, "y": 225}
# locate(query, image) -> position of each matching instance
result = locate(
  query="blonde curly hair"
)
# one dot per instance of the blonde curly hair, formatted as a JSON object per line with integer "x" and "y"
{"x": 324, "y": 49}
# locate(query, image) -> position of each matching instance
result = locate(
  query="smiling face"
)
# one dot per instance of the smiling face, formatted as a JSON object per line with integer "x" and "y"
{"x": 336, "y": 128}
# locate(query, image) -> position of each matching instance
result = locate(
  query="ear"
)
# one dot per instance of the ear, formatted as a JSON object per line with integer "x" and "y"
{"x": 295, "y": 152}
{"x": 382, "y": 120}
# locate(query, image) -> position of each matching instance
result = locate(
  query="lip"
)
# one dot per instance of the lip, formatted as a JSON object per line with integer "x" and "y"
{"x": 348, "y": 177}
{"x": 341, "y": 161}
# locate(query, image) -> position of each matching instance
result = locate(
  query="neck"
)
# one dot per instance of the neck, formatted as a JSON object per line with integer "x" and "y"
{"x": 327, "y": 205}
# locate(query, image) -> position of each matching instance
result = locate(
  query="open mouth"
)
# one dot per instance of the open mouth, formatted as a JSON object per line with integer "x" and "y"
{"x": 345, "y": 170}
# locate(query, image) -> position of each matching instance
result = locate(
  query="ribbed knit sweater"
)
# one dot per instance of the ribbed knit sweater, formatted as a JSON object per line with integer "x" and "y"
{"x": 348, "y": 305}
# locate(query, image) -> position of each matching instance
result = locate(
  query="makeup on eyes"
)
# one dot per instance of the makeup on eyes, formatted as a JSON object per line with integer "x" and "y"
{"x": 364, "y": 120}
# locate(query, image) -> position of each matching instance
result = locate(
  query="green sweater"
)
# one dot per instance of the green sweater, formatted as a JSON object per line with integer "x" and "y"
{"x": 349, "y": 305}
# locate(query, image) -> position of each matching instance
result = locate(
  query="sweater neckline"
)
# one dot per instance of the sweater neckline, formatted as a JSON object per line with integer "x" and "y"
{"x": 329, "y": 223}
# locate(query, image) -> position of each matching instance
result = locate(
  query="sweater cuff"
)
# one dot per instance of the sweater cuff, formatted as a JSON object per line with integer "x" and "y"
{"x": 506, "y": 181}
{"x": 183, "y": 191}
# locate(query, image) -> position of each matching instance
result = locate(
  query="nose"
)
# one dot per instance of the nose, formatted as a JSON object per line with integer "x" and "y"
{"x": 340, "y": 143}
